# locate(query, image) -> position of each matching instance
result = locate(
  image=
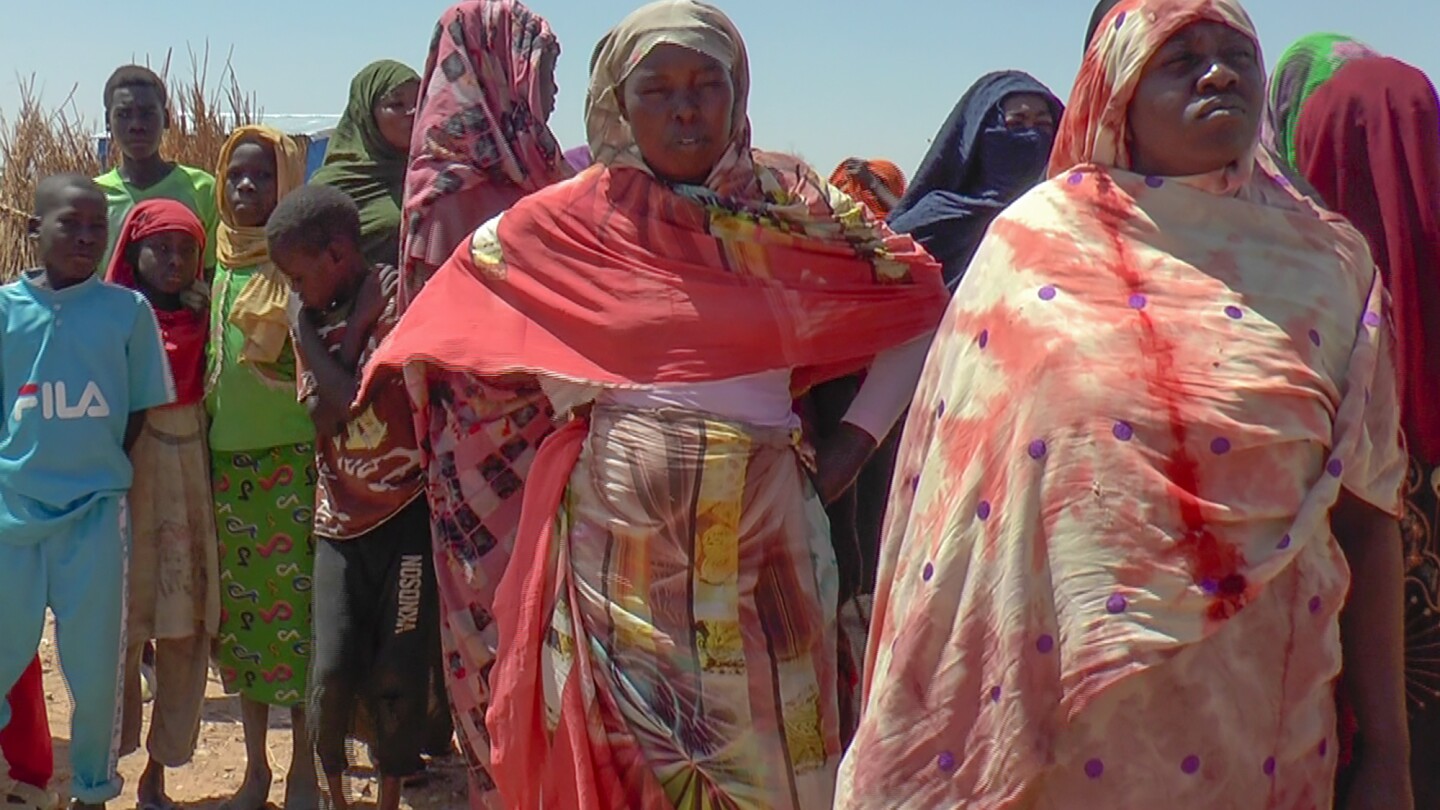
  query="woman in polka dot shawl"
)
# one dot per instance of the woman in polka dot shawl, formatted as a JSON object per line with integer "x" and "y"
{"x": 1155, "y": 444}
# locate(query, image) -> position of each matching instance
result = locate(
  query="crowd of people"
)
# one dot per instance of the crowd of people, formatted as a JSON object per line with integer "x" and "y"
{"x": 1095, "y": 467}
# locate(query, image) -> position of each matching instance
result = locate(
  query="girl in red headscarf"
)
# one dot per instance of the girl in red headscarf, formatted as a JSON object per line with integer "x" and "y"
{"x": 174, "y": 595}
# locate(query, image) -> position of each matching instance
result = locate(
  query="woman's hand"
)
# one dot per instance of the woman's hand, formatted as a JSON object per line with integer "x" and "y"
{"x": 839, "y": 459}
{"x": 1372, "y": 637}
{"x": 1381, "y": 780}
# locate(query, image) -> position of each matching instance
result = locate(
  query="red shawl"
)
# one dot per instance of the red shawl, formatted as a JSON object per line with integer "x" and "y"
{"x": 615, "y": 279}
{"x": 183, "y": 330}
{"x": 1369, "y": 142}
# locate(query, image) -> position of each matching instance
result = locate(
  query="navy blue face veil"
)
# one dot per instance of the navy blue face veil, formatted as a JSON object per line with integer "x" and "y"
{"x": 975, "y": 167}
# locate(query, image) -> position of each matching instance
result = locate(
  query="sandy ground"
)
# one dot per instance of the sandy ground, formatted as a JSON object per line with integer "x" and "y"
{"x": 219, "y": 764}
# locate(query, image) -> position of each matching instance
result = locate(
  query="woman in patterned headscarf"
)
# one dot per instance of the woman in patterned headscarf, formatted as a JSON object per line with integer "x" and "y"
{"x": 481, "y": 141}
{"x": 1154, "y": 446}
{"x": 667, "y": 624}
{"x": 480, "y": 144}
{"x": 1302, "y": 69}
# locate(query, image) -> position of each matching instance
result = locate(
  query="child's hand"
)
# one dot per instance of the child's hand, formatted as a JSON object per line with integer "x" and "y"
{"x": 197, "y": 298}
{"x": 375, "y": 293}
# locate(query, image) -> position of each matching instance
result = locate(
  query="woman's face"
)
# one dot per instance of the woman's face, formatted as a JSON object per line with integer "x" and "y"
{"x": 395, "y": 115}
{"x": 250, "y": 183}
{"x": 1027, "y": 111}
{"x": 679, "y": 103}
{"x": 168, "y": 262}
{"x": 1197, "y": 107}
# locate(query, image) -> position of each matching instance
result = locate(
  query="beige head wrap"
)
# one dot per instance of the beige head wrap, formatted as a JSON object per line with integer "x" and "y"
{"x": 690, "y": 24}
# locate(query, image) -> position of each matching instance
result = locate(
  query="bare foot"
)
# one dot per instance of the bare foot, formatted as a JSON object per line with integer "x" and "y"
{"x": 254, "y": 793}
{"x": 302, "y": 792}
{"x": 150, "y": 793}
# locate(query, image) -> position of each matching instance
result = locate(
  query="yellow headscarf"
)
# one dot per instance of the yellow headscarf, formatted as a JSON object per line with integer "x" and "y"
{"x": 259, "y": 310}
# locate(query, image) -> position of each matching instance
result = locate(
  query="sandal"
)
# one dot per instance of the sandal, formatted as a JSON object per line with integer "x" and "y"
{"x": 21, "y": 796}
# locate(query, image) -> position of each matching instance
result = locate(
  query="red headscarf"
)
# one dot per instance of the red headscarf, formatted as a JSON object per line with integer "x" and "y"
{"x": 1369, "y": 142}
{"x": 183, "y": 330}
{"x": 885, "y": 171}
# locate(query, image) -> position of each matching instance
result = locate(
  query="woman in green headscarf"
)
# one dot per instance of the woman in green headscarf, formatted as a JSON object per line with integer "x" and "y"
{"x": 1302, "y": 69}
{"x": 369, "y": 150}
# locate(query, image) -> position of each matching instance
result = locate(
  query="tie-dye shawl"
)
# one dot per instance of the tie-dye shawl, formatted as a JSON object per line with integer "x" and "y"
{"x": 1108, "y": 577}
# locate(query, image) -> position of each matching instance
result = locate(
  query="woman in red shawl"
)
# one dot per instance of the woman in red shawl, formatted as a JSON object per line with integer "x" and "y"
{"x": 1154, "y": 449}
{"x": 877, "y": 184}
{"x": 667, "y": 624}
{"x": 480, "y": 143}
{"x": 1369, "y": 142}
{"x": 174, "y": 588}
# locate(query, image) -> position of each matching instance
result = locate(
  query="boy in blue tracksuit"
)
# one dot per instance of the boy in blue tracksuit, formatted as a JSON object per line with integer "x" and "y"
{"x": 80, "y": 362}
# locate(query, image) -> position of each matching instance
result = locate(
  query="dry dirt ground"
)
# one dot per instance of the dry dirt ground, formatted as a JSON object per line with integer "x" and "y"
{"x": 219, "y": 763}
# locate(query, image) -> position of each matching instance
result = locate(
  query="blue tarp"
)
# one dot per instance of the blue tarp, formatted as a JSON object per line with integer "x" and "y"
{"x": 319, "y": 137}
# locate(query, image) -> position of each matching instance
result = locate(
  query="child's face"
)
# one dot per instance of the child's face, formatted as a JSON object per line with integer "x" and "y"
{"x": 250, "y": 186}
{"x": 168, "y": 262}
{"x": 395, "y": 115}
{"x": 72, "y": 234}
{"x": 137, "y": 121}
{"x": 316, "y": 278}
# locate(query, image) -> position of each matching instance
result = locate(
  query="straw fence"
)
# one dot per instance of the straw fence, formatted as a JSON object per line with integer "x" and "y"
{"x": 37, "y": 141}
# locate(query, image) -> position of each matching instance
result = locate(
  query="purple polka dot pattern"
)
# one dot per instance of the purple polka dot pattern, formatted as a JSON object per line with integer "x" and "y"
{"x": 1372, "y": 319}
{"x": 1094, "y": 769}
{"x": 1234, "y": 313}
{"x": 1123, "y": 431}
{"x": 1190, "y": 765}
{"x": 1324, "y": 748}
{"x": 1120, "y": 20}
{"x": 1210, "y": 585}
{"x": 1220, "y": 446}
{"x": 1269, "y": 766}
{"x": 1045, "y": 644}
{"x": 1336, "y": 468}
{"x": 1038, "y": 449}
{"x": 1315, "y": 604}
{"x": 945, "y": 762}
{"x": 983, "y": 510}
{"x": 1314, "y": 337}
{"x": 1047, "y": 293}
{"x": 1154, "y": 182}
{"x": 1117, "y": 604}
{"x": 995, "y": 693}
{"x": 1137, "y": 301}
{"x": 940, "y": 410}
{"x": 984, "y": 338}
{"x": 1284, "y": 543}
{"x": 1075, "y": 178}
{"x": 929, "y": 572}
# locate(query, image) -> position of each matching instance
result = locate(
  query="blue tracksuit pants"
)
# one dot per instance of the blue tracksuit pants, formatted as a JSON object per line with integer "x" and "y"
{"x": 79, "y": 573}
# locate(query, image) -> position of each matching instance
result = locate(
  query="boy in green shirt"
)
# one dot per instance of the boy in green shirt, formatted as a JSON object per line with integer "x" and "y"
{"x": 137, "y": 113}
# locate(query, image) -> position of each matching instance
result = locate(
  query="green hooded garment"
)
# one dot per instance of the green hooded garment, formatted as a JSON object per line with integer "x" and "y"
{"x": 362, "y": 164}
